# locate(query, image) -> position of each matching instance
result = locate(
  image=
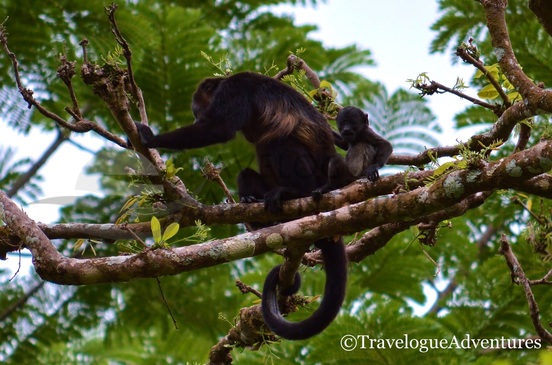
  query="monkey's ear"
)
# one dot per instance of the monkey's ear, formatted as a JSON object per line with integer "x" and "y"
{"x": 366, "y": 119}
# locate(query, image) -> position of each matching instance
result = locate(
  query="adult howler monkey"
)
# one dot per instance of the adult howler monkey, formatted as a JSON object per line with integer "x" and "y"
{"x": 293, "y": 141}
{"x": 367, "y": 151}
{"x": 294, "y": 145}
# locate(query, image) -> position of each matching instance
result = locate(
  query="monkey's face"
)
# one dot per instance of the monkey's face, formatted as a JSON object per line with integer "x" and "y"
{"x": 350, "y": 129}
{"x": 347, "y": 132}
{"x": 351, "y": 121}
{"x": 203, "y": 96}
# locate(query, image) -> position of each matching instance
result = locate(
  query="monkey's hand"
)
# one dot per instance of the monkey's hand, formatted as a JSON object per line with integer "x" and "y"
{"x": 372, "y": 172}
{"x": 249, "y": 199}
{"x": 273, "y": 200}
{"x": 317, "y": 194}
{"x": 146, "y": 134}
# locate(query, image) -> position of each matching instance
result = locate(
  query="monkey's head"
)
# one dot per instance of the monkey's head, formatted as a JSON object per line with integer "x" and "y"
{"x": 351, "y": 121}
{"x": 203, "y": 96}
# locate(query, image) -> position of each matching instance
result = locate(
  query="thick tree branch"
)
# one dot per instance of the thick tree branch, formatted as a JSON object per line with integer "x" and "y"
{"x": 535, "y": 98}
{"x": 234, "y": 213}
{"x": 543, "y": 10}
{"x": 500, "y": 131}
{"x": 441, "y": 195}
{"x": 377, "y": 238}
{"x": 237, "y": 213}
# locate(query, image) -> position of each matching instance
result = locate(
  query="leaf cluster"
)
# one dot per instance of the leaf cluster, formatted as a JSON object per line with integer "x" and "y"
{"x": 489, "y": 91}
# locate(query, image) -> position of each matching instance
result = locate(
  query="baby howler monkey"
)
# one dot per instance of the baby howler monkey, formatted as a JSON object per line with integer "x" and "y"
{"x": 367, "y": 151}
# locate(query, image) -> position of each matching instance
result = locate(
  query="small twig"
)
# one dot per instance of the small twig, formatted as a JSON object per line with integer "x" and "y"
{"x": 244, "y": 289}
{"x": 28, "y": 93}
{"x": 441, "y": 295}
{"x": 483, "y": 241}
{"x": 524, "y": 135}
{"x": 435, "y": 87}
{"x": 75, "y": 115}
{"x": 18, "y": 266}
{"x": 516, "y": 200}
{"x": 518, "y": 276}
{"x": 84, "y": 43}
{"x": 166, "y": 303}
{"x": 293, "y": 63}
{"x": 494, "y": 108}
{"x": 212, "y": 173}
{"x": 158, "y": 281}
{"x": 468, "y": 58}
{"x": 136, "y": 237}
{"x": 65, "y": 72}
{"x": 544, "y": 281}
{"x": 136, "y": 92}
{"x": 21, "y": 301}
{"x": 81, "y": 147}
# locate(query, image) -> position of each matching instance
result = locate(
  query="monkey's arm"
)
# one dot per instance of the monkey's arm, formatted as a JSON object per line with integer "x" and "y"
{"x": 192, "y": 136}
{"x": 339, "y": 141}
{"x": 218, "y": 117}
{"x": 383, "y": 149}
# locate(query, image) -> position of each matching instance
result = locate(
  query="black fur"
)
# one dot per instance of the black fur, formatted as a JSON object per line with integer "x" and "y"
{"x": 367, "y": 151}
{"x": 293, "y": 140}
{"x": 294, "y": 146}
{"x": 335, "y": 260}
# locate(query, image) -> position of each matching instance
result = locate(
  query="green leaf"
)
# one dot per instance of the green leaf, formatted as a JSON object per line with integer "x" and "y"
{"x": 488, "y": 92}
{"x": 170, "y": 231}
{"x": 128, "y": 204}
{"x": 156, "y": 229}
{"x": 78, "y": 244}
{"x": 324, "y": 84}
{"x": 492, "y": 69}
{"x": 443, "y": 168}
{"x": 514, "y": 96}
{"x": 508, "y": 85}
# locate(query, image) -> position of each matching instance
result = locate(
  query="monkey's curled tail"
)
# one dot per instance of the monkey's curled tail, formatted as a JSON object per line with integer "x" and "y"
{"x": 335, "y": 265}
